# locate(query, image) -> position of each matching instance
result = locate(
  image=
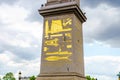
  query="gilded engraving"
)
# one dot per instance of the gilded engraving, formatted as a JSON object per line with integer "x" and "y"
{"x": 53, "y": 42}
{"x": 59, "y": 53}
{"x": 57, "y": 26}
{"x": 45, "y": 49}
{"x": 69, "y": 46}
{"x": 46, "y": 28}
{"x": 56, "y": 58}
{"x": 67, "y": 21}
{"x": 56, "y": 35}
{"x": 68, "y": 35}
{"x": 58, "y": 38}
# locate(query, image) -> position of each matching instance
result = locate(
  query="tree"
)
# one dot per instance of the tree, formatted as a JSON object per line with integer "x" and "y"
{"x": 9, "y": 76}
{"x": 90, "y": 78}
{"x": 32, "y": 78}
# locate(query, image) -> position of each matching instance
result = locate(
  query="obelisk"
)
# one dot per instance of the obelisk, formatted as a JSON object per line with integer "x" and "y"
{"x": 62, "y": 46}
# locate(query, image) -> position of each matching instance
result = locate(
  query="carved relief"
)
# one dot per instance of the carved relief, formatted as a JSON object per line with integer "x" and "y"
{"x": 57, "y": 44}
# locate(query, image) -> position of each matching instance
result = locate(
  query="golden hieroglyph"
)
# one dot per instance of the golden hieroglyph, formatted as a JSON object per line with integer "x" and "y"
{"x": 69, "y": 46}
{"x": 68, "y": 35}
{"x": 55, "y": 30}
{"x": 45, "y": 49}
{"x": 46, "y": 28}
{"x": 67, "y": 21}
{"x": 57, "y": 58}
{"x": 53, "y": 42}
{"x": 56, "y": 35}
{"x": 59, "y": 53}
{"x": 57, "y": 26}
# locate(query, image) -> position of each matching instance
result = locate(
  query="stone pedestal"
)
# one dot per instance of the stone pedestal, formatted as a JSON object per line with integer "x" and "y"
{"x": 64, "y": 76}
{"x": 62, "y": 49}
{"x": 61, "y": 78}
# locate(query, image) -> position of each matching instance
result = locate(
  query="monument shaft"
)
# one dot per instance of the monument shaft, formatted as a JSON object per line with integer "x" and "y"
{"x": 61, "y": 1}
{"x": 62, "y": 48}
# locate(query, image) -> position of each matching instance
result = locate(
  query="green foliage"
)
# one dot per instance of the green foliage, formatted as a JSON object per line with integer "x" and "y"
{"x": 89, "y": 78}
{"x": 9, "y": 76}
{"x": 118, "y": 74}
{"x": 32, "y": 78}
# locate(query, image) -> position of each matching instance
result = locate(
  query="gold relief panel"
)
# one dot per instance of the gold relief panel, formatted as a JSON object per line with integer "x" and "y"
{"x": 57, "y": 26}
{"x": 57, "y": 42}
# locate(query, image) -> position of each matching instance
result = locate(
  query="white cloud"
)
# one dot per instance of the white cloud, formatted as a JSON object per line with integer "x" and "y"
{"x": 102, "y": 25}
{"x": 103, "y": 77}
{"x": 22, "y": 34}
{"x": 12, "y": 13}
{"x": 103, "y": 67}
{"x": 20, "y": 40}
{"x": 16, "y": 31}
{"x": 31, "y": 67}
{"x": 6, "y": 57}
{"x": 28, "y": 68}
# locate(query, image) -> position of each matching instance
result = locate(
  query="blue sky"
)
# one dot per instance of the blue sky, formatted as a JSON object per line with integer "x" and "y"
{"x": 21, "y": 37}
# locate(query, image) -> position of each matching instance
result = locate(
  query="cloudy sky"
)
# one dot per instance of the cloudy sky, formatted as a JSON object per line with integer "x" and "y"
{"x": 21, "y": 35}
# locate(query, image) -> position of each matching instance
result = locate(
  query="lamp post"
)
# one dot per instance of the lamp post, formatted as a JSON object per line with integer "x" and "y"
{"x": 19, "y": 77}
{"x": 118, "y": 76}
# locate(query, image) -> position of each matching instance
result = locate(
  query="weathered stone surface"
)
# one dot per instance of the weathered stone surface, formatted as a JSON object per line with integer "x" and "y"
{"x": 51, "y": 2}
{"x": 62, "y": 48}
{"x": 74, "y": 54}
{"x": 61, "y": 78}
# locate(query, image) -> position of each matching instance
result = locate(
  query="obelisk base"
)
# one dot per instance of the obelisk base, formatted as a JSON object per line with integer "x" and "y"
{"x": 60, "y": 77}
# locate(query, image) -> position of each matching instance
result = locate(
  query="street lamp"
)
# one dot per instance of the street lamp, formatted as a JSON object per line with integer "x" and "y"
{"x": 19, "y": 77}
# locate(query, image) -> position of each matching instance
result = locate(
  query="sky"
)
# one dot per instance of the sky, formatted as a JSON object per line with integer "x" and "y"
{"x": 21, "y": 29}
